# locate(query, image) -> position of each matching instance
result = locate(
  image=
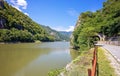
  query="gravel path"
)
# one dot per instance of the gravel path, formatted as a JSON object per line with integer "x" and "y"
{"x": 113, "y": 62}
{"x": 113, "y": 54}
{"x": 114, "y": 50}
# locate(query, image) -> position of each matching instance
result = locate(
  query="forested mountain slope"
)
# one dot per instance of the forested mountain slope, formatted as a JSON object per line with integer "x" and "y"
{"x": 65, "y": 35}
{"x": 59, "y": 35}
{"x": 18, "y": 27}
{"x": 90, "y": 25}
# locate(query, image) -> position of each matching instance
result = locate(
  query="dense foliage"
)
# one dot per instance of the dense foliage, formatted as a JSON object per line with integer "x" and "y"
{"x": 105, "y": 21}
{"x": 16, "y": 26}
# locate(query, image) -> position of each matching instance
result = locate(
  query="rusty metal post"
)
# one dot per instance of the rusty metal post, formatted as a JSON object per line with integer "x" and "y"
{"x": 89, "y": 72}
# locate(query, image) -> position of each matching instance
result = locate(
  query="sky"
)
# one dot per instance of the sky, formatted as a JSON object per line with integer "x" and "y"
{"x": 60, "y": 15}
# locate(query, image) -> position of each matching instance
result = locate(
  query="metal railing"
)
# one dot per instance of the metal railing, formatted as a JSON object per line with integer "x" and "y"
{"x": 117, "y": 43}
{"x": 92, "y": 71}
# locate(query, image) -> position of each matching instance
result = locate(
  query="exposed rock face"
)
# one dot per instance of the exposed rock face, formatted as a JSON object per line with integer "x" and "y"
{"x": 2, "y": 23}
{"x": 78, "y": 22}
{"x": 1, "y": 4}
{"x": 76, "y": 26}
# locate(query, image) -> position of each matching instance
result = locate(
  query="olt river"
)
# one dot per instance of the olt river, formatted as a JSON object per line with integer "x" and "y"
{"x": 34, "y": 59}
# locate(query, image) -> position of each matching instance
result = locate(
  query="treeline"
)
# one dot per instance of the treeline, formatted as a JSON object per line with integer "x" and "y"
{"x": 16, "y": 26}
{"x": 104, "y": 22}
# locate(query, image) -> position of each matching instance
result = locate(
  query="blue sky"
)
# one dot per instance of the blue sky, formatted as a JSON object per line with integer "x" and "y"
{"x": 61, "y": 15}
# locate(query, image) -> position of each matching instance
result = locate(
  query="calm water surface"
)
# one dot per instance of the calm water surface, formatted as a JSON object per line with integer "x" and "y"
{"x": 34, "y": 59}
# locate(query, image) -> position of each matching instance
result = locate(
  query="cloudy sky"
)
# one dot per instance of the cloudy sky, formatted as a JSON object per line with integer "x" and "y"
{"x": 58, "y": 14}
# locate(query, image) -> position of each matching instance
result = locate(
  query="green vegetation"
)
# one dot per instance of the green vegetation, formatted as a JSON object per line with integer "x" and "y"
{"x": 55, "y": 72}
{"x": 104, "y": 22}
{"x": 80, "y": 65}
{"x": 59, "y": 35}
{"x": 105, "y": 68}
{"x": 65, "y": 35}
{"x": 18, "y": 27}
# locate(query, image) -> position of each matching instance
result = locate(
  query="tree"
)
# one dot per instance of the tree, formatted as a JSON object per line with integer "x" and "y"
{"x": 105, "y": 21}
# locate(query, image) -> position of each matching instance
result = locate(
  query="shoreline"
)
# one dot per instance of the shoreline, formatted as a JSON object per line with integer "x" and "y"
{"x": 17, "y": 42}
{"x": 79, "y": 65}
{"x": 37, "y": 41}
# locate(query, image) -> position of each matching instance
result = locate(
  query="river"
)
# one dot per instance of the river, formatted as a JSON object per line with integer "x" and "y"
{"x": 34, "y": 59}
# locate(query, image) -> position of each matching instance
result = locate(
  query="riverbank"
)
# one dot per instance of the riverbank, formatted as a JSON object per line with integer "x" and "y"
{"x": 37, "y": 41}
{"x": 80, "y": 66}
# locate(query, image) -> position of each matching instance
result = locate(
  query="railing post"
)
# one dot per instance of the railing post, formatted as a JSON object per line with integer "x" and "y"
{"x": 92, "y": 72}
{"x": 89, "y": 72}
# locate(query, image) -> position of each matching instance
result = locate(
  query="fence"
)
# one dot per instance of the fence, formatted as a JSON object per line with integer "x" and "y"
{"x": 92, "y": 72}
{"x": 117, "y": 43}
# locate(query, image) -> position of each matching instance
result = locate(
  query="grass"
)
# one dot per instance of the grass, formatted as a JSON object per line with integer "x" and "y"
{"x": 55, "y": 72}
{"x": 104, "y": 66}
{"x": 80, "y": 65}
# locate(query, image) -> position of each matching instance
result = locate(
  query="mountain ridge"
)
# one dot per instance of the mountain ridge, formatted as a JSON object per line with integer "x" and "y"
{"x": 59, "y": 35}
{"x": 15, "y": 26}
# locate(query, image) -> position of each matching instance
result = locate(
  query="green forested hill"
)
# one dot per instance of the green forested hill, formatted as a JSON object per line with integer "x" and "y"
{"x": 16, "y": 26}
{"x": 90, "y": 25}
{"x": 52, "y": 32}
{"x": 65, "y": 35}
{"x": 58, "y": 35}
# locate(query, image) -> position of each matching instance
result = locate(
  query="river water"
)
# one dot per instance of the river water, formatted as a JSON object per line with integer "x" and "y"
{"x": 34, "y": 59}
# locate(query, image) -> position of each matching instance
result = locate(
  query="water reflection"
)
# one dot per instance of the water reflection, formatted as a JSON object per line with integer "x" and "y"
{"x": 33, "y": 59}
{"x": 74, "y": 53}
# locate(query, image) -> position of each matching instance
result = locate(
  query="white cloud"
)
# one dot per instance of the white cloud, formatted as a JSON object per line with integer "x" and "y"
{"x": 72, "y": 12}
{"x": 26, "y": 14}
{"x": 60, "y": 28}
{"x": 19, "y": 4}
{"x": 22, "y": 3}
{"x": 71, "y": 28}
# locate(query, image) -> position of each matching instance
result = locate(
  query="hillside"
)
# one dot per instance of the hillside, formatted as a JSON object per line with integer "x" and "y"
{"x": 18, "y": 27}
{"x": 65, "y": 35}
{"x": 59, "y": 35}
{"x": 100, "y": 25}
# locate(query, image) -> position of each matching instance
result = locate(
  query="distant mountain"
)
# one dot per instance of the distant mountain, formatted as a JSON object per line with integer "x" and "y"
{"x": 15, "y": 26}
{"x": 65, "y": 35}
{"x": 52, "y": 32}
{"x": 59, "y": 35}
